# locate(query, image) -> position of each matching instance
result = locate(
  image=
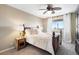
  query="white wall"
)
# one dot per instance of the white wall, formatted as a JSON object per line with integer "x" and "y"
{"x": 49, "y": 25}
{"x": 44, "y": 24}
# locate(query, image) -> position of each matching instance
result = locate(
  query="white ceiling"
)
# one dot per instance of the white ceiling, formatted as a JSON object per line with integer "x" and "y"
{"x": 34, "y": 9}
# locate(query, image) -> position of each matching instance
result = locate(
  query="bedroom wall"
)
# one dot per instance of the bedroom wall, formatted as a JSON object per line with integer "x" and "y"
{"x": 49, "y": 25}
{"x": 44, "y": 24}
{"x": 10, "y": 19}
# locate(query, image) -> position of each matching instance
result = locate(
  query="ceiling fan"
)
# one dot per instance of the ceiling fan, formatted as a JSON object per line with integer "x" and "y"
{"x": 51, "y": 8}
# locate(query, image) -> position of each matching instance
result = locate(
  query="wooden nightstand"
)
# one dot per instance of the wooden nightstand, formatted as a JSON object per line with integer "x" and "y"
{"x": 20, "y": 43}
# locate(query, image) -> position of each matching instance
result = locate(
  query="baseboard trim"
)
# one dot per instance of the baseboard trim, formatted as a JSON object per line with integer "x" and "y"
{"x": 6, "y": 49}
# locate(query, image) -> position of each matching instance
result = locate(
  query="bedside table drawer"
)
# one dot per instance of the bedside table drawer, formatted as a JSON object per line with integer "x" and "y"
{"x": 21, "y": 40}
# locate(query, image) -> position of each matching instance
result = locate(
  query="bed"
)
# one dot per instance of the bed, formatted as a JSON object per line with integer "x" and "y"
{"x": 41, "y": 40}
{"x": 45, "y": 41}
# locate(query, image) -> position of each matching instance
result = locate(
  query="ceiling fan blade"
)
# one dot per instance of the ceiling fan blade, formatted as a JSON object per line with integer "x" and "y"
{"x": 45, "y": 12}
{"x": 42, "y": 9}
{"x": 56, "y": 8}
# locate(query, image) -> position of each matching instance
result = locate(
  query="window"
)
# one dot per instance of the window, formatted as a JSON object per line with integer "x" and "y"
{"x": 58, "y": 24}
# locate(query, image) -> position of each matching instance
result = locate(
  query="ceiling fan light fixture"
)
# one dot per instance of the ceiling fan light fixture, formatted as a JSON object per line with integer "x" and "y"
{"x": 51, "y": 8}
{"x": 52, "y": 12}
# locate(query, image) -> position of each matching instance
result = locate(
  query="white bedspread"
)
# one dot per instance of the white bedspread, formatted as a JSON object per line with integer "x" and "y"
{"x": 41, "y": 40}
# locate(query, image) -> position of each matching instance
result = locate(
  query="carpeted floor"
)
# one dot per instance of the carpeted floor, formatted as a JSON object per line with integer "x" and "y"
{"x": 28, "y": 50}
{"x": 66, "y": 49}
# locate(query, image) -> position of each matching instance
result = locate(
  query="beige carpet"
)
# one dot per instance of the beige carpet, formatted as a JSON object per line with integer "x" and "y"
{"x": 28, "y": 50}
{"x": 66, "y": 48}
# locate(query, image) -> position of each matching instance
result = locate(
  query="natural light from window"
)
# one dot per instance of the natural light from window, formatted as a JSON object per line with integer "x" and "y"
{"x": 57, "y": 24}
